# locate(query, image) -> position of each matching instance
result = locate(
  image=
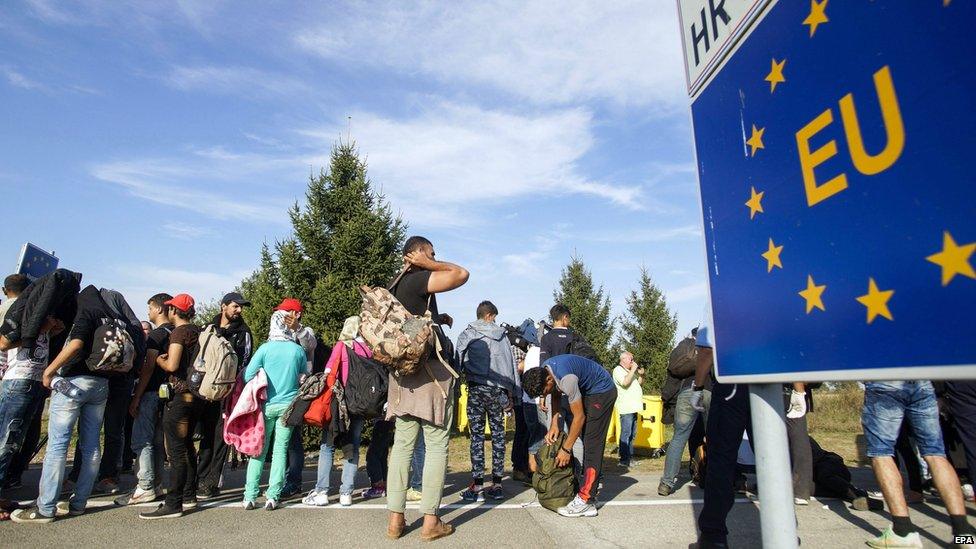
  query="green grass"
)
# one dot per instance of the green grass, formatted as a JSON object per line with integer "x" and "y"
{"x": 835, "y": 423}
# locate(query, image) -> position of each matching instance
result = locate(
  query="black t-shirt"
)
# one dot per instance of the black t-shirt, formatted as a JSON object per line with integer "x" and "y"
{"x": 158, "y": 340}
{"x": 411, "y": 291}
{"x": 556, "y": 342}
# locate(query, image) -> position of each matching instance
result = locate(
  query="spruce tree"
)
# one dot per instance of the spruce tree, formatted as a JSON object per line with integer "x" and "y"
{"x": 344, "y": 236}
{"x": 647, "y": 331}
{"x": 589, "y": 309}
{"x": 264, "y": 290}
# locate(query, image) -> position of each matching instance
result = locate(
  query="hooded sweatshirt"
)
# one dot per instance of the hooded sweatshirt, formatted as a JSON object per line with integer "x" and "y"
{"x": 486, "y": 355}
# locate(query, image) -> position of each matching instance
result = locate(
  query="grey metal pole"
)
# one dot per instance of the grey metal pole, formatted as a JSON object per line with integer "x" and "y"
{"x": 777, "y": 516}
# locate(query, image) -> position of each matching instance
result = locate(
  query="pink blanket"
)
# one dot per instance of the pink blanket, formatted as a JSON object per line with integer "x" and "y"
{"x": 244, "y": 428}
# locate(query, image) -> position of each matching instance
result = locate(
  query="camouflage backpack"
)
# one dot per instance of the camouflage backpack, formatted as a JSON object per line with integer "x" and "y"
{"x": 397, "y": 338}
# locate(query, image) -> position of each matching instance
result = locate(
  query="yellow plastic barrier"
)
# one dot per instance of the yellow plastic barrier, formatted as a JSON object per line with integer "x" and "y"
{"x": 613, "y": 433}
{"x": 461, "y": 412}
{"x": 650, "y": 430}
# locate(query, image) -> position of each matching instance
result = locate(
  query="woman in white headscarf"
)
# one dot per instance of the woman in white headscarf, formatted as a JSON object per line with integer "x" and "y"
{"x": 283, "y": 361}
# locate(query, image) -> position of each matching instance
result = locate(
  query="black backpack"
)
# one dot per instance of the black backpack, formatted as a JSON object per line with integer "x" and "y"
{"x": 581, "y": 347}
{"x": 366, "y": 386}
{"x": 683, "y": 359}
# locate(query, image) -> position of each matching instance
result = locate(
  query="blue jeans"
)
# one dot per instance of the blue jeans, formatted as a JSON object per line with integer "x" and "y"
{"x": 20, "y": 399}
{"x": 628, "y": 432}
{"x": 417, "y": 464}
{"x": 684, "y": 422}
{"x": 350, "y": 459}
{"x": 147, "y": 440}
{"x": 537, "y": 421}
{"x": 888, "y": 403}
{"x": 88, "y": 412}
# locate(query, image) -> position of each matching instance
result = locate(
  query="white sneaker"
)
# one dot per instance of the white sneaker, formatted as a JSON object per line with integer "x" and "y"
{"x": 889, "y": 539}
{"x": 248, "y": 505}
{"x": 143, "y": 496}
{"x": 578, "y": 508}
{"x": 801, "y": 501}
{"x": 270, "y": 505}
{"x": 345, "y": 500}
{"x": 318, "y": 499}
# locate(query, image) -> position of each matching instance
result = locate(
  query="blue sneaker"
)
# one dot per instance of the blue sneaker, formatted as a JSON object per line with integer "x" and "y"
{"x": 475, "y": 492}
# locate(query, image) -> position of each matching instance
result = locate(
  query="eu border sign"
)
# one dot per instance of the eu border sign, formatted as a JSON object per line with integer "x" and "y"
{"x": 835, "y": 143}
{"x": 35, "y": 262}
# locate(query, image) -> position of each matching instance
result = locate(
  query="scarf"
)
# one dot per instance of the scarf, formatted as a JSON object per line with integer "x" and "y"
{"x": 279, "y": 331}
{"x": 350, "y": 330}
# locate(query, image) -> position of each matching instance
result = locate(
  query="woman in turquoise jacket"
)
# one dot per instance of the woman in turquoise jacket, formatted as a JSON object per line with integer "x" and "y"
{"x": 283, "y": 362}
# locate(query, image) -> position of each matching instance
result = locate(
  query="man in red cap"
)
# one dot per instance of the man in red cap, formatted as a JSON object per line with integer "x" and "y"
{"x": 182, "y": 413}
{"x": 229, "y": 324}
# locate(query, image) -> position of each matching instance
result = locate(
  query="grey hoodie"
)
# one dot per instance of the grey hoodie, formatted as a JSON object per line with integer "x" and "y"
{"x": 486, "y": 355}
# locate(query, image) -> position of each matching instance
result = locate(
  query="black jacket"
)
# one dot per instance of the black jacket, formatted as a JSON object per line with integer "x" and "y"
{"x": 54, "y": 294}
{"x": 239, "y": 335}
{"x": 92, "y": 310}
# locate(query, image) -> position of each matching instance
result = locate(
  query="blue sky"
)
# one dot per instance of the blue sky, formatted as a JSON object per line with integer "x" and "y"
{"x": 160, "y": 143}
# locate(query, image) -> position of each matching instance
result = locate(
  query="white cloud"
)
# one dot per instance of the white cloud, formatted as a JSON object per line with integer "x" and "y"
{"x": 214, "y": 182}
{"x": 627, "y": 52}
{"x": 444, "y": 166}
{"x": 636, "y": 236}
{"x": 19, "y": 80}
{"x": 525, "y": 264}
{"x": 236, "y": 80}
{"x": 140, "y": 282}
{"x": 691, "y": 292}
{"x": 185, "y": 231}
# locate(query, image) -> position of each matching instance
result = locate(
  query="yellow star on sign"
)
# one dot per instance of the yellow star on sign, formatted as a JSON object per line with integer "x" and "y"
{"x": 876, "y": 301}
{"x": 954, "y": 259}
{"x": 772, "y": 256}
{"x": 755, "y": 202}
{"x": 813, "y": 294}
{"x": 775, "y": 75}
{"x": 755, "y": 140}
{"x": 817, "y": 15}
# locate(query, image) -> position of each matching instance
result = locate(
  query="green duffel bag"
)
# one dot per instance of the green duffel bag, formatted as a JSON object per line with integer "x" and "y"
{"x": 555, "y": 486}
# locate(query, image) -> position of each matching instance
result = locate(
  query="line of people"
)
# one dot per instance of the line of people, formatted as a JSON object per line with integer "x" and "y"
{"x": 175, "y": 384}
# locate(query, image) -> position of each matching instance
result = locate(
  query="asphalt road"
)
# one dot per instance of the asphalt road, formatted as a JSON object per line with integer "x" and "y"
{"x": 633, "y": 515}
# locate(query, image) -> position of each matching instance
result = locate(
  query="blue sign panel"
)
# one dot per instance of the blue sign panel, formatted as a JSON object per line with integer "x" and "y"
{"x": 835, "y": 151}
{"x": 35, "y": 262}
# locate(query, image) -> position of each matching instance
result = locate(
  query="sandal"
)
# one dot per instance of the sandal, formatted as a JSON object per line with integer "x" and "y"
{"x": 442, "y": 530}
{"x": 396, "y": 532}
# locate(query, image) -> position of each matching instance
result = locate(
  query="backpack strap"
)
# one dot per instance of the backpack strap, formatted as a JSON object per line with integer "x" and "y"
{"x": 397, "y": 279}
{"x": 203, "y": 350}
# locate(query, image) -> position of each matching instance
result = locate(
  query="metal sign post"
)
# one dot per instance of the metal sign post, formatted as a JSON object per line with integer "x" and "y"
{"x": 776, "y": 512}
{"x": 833, "y": 142}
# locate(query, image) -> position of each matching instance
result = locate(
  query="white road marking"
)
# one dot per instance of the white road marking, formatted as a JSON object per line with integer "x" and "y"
{"x": 236, "y": 504}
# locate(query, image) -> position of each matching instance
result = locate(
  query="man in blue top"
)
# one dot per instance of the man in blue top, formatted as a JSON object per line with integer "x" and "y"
{"x": 591, "y": 394}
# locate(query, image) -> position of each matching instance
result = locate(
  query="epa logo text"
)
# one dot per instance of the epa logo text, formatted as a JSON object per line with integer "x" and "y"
{"x": 964, "y": 540}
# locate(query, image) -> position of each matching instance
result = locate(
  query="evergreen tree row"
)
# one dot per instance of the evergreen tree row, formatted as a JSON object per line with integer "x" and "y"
{"x": 346, "y": 235}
